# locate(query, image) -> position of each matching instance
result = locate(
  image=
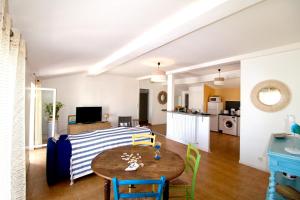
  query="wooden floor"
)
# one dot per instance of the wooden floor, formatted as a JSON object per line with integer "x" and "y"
{"x": 220, "y": 176}
{"x": 160, "y": 129}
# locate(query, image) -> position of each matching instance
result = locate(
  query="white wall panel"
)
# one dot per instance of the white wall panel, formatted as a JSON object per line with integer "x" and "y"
{"x": 189, "y": 129}
{"x": 156, "y": 116}
{"x": 256, "y": 125}
{"x": 118, "y": 95}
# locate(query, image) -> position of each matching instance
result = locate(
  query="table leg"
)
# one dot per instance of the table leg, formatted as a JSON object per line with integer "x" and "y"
{"x": 272, "y": 185}
{"x": 106, "y": 189}
{"x": 166, "y": 191}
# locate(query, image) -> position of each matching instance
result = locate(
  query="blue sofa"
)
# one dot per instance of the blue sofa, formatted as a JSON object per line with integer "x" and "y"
{"x": 58, "y": 159}
{"x": 70, "y": 156}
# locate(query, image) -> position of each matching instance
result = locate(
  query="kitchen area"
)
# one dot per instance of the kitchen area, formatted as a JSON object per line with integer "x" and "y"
{"x": 225, "y": 116}
{"x": 202, "y": 108}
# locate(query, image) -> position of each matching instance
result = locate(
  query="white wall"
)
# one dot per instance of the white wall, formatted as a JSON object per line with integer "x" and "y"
{"x": 156, "y": 116}
{"x": 177, "y": 96}
{"x": 180, "y": 91}
{"x": 196, "y": 97}
{"x": 256, "y": 125}
{"x": 118, "y": 95}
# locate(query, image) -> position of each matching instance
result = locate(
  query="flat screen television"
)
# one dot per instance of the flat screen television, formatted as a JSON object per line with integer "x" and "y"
{"x": 88, "y": 114}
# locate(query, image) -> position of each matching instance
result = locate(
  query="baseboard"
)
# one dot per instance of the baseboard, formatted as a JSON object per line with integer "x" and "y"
{"x": 254, "y": 166}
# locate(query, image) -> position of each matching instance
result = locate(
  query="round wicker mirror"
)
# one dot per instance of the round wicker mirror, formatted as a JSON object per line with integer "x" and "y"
{"x": 162, "y": 97}
{"x": 270, "y": 95}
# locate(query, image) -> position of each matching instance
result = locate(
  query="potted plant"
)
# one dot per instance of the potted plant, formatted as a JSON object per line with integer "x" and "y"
{"x": 49, "y": 112}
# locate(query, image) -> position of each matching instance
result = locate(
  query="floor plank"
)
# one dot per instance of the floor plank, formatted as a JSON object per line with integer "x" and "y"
{"x": 220, "y": 176}
{"x": 159, "y": 128}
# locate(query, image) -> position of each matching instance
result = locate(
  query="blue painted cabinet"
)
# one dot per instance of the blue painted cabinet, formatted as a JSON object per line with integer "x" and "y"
{"x": 282, "y": 161}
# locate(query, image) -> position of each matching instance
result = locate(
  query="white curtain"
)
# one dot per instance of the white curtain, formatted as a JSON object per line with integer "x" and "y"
{"x": 12, "y": 105}
{"x": 17, "y": 55}
{"x": 38, "y": 115}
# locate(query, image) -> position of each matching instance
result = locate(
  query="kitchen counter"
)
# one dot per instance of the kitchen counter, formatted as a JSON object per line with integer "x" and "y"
{"x": 193, "y": 114}
{"x": 188, "y": 128}
{"x": 230, "y": 115}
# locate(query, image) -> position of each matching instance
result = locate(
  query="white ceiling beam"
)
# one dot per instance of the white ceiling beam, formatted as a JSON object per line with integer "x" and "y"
{"x": 191, "y": 18}
{"x": 208, "y": 78}
{"x": 144, "y": 77}
{"x": 237, "y": 58}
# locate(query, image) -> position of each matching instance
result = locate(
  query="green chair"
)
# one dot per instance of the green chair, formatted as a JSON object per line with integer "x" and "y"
{"x": 182, "y": 189}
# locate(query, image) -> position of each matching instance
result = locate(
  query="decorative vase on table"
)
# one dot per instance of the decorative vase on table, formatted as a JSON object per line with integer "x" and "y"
{"x": 50, "y": 127}
{"x": 49, "y": 112}
{"x": 106, "y": 116}
{"x": 157, "y": 150}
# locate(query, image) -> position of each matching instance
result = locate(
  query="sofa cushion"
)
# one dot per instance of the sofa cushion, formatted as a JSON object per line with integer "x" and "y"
{"x": 51, "y": 161}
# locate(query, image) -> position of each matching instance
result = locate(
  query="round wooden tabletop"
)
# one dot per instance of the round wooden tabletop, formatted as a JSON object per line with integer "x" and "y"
{"x": 109, "y": 164}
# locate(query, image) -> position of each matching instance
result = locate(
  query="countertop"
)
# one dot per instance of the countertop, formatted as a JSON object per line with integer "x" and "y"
{"x": 230, "y": 115}
{"x": 184, "y": 113}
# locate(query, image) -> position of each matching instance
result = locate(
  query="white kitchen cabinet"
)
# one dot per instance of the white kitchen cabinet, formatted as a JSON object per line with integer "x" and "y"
{"x": 189, "y": 128}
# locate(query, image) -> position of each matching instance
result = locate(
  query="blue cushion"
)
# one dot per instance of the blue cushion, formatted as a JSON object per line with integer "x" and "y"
{"x": 63, "y": 137}
{"x": 51, "y": 161}
{"x": 64, "y": 152}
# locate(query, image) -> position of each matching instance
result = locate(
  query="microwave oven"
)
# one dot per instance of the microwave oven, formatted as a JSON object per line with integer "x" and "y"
{"x": 215, "y": 99}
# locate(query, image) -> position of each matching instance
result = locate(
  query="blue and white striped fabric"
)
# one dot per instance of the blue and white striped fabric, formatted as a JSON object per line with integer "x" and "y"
{"x": 86, "y": 146}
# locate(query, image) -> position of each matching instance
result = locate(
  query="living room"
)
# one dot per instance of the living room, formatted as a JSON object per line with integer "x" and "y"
{"x": 110, "y": 56}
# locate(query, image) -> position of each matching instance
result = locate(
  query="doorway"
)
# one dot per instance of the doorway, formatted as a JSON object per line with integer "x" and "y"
{"x": 42, "y": 109}
{"x": 144, "y": 107}
{"x": 186, "y": 101}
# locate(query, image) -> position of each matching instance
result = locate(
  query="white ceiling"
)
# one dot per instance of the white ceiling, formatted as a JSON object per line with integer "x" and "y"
{"x": 65, "y": 36}
{"x": 231, "y": 73}
{"x": 228, "y": 83}
{"x": 68, "y": 35}
{"x": 209, "y": 70}
{"x": 256, "y": 28}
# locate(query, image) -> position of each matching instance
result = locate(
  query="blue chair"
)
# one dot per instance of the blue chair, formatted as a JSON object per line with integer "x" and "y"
{"x": 157, "y": 195}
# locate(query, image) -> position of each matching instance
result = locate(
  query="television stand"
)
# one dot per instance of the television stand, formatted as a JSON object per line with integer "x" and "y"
{"x": 79, "y": 128}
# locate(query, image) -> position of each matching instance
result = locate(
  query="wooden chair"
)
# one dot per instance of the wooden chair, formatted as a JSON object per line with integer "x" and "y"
{"x": 143, "y": 139}
{"x": 125, "y": 121}
{"x": 179, "y": 188}
{"x": 157, "y": 195}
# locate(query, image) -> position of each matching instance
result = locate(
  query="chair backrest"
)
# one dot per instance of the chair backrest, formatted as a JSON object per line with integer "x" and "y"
{"x": 143, "y": 139}
{"x": 125, "y": 121}
{"x": 192, "y": 164}
{"x": 157, "y": 195}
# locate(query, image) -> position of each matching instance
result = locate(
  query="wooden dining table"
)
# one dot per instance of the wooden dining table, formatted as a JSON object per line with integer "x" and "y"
{"x": 109, "y": 164}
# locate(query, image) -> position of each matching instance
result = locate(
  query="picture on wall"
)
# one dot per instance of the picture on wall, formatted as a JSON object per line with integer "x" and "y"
{"x": 72, "y": 119}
